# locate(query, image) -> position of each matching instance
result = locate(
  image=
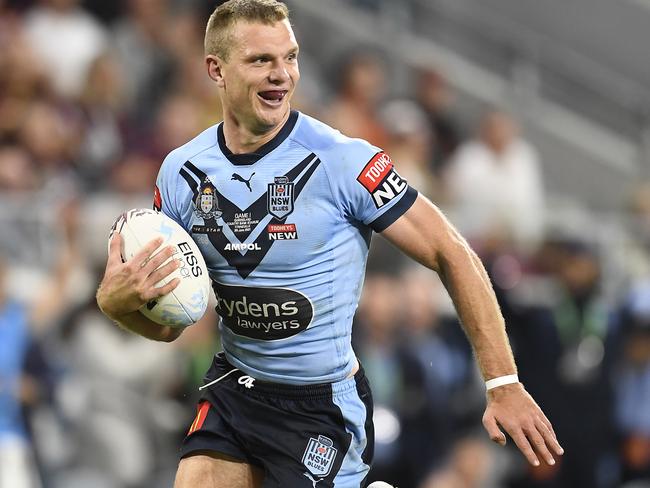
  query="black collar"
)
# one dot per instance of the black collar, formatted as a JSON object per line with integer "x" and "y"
{"x": 250, "y": 158}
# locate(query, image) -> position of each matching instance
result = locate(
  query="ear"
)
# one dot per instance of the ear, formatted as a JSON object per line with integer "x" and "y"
{"x": 214, "y": 65}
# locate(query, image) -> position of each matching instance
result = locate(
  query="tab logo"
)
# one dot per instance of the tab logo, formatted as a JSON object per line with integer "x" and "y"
{"x": 381, "y": 180}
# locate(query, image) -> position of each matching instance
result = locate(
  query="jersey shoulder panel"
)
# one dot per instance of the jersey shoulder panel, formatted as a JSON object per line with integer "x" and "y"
{"x": 364, "y": 184}
{"x": 331, "y": 145}
{"x": 177, "y": 157}
{"x": 167, "y": 187}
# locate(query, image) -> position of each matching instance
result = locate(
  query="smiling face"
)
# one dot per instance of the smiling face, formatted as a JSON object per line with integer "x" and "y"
{"x": 259, "y": 76}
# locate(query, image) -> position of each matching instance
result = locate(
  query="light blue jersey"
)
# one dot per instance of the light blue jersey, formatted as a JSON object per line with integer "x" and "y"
{"x": 285, "y": 234}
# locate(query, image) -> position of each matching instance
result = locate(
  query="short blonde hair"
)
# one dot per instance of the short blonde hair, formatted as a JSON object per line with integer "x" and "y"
{"x": 218, "y": 31}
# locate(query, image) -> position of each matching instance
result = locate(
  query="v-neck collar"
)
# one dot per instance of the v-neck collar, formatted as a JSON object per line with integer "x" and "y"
{"x": 250, "y": 158}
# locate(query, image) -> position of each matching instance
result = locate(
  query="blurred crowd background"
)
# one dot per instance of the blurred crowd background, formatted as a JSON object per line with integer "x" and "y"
{"x": 521, "y": 121}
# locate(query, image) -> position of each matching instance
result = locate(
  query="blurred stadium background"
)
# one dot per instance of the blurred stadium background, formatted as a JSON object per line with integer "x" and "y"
{"x": 527, "y": 122}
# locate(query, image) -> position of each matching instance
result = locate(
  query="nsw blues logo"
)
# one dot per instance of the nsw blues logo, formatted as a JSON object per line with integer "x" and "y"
{"x": 244, "y": 234}
{"x": 206, "y": 204}
{"x": 280, "y": 197}
{"x": 319, "y": 456}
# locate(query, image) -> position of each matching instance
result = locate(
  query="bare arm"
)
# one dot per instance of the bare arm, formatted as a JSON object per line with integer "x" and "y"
{"x": 427, "y": 236}
{"x": 141, "y": 325}
{"x": 127, "y": 286}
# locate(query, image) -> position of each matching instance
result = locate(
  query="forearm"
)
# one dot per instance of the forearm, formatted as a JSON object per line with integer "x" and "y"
{"x": 139, "y": 324}
{"x": 425, "y": 234}
{"x": 468, "y": 285}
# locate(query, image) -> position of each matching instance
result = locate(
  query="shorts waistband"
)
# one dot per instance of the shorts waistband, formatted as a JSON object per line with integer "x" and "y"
{"x": 229, "y": 374}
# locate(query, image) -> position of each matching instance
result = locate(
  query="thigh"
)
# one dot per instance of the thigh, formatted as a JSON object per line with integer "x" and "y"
{"x": 216, "y": 471}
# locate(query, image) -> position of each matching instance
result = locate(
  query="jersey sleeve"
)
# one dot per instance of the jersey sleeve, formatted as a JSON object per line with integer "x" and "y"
{"x": 164, "y": 199}
{"x": 367, "y": 186}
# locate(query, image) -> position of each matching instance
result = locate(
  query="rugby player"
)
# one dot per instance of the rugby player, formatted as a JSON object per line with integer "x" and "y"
{"x": 283, "y": 207}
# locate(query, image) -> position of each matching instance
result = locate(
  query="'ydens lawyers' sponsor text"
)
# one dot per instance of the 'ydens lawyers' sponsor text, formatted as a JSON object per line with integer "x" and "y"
{"x": 263, "y": 313}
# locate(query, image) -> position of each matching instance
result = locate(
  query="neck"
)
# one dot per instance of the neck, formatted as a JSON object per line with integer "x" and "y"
{"x": 241, "y": 139}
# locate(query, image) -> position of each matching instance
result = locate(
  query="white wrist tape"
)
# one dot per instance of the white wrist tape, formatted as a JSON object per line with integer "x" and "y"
{"x": 500, "y": 381}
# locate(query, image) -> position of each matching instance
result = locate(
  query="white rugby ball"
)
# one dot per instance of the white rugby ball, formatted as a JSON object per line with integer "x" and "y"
{"x": 189, "y": 300}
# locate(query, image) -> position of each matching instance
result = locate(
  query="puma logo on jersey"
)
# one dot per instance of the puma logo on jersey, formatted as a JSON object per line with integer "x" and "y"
{"x": 270, "y": 208}
{"x": 237, "y": 177}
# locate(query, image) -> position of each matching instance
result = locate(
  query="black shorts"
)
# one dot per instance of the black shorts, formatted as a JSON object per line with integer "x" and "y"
{"x": 301, "y": 436}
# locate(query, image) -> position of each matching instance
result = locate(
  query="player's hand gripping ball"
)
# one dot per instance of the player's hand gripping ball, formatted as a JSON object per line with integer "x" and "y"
{"x": 189, "y": 300}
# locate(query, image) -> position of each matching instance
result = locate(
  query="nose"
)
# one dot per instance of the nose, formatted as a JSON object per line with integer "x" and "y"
{"x": 279, "y": 73}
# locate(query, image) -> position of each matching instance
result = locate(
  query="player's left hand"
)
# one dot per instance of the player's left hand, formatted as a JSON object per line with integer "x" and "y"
{"x": 512, "y": 408}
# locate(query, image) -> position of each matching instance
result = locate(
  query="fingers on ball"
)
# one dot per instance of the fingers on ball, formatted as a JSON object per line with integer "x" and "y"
{"x": 158, "y": 259}
{"x": 162, "y": 272}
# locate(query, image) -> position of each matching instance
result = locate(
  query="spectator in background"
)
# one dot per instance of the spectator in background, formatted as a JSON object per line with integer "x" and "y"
{"x": 636, "y": 245}
{"x": 131, "y": 176}
{"x": 52, "y": 139}
{"x": 436, "y": 99}
{"x": 177, "y": 121}
{"x": 6, "y": 15}
{"x": 128, "y": 185}
{"x": 354, "y": 109}
{"x": 427, "y": 394}
{"x": 24, "y": 375}
{"x": 17, "y": 172}
{"x": 564, "y": 353}
{"x": 140, "y": 40}
{"x": 17, "y": 467}
{"x": 67, "y": 39}
{"x": 23, "y": 78}
{"x": 410, "y": 143}
{"x": 101, "y": 103}
{"x": 27, "y": 200}
{"x": 441, "y": 402}
{"x": 376, "y": 336}
{"x": 495, "y": 185}
{"x": 125, "y": 388}
{"x": 185, "y": 44}
{"x": 633, "y": 386}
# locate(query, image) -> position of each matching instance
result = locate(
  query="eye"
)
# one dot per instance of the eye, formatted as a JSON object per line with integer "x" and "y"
{"x": 293, "y": 56}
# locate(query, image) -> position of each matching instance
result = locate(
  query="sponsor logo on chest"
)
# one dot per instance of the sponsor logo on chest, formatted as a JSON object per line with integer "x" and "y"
{"x": 281, "y": 232}
{"x": 262, "y": 312}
